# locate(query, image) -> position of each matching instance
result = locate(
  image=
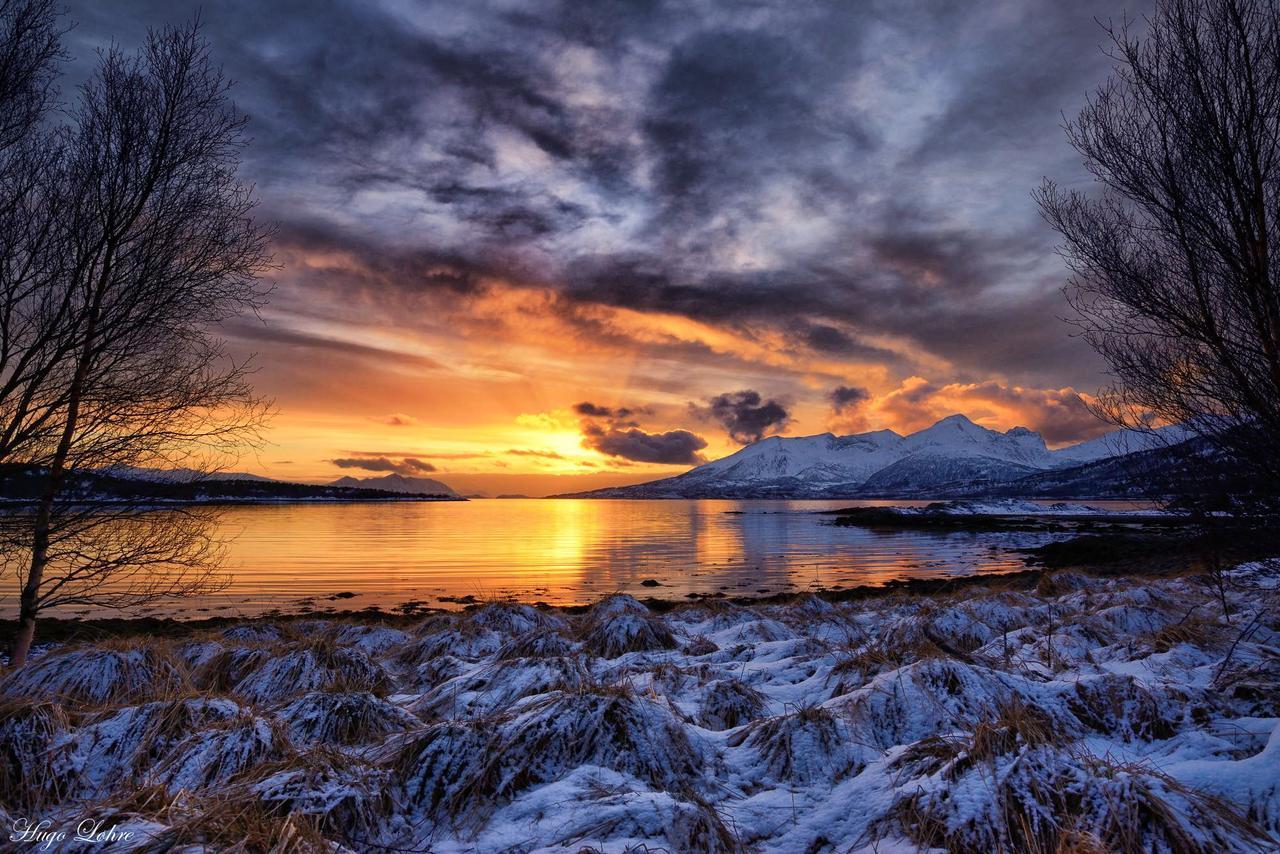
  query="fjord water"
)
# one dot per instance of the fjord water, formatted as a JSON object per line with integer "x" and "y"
{"x": 351, "y": 556}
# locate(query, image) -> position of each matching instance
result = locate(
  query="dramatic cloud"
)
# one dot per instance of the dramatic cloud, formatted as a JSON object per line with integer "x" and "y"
{"x": 844, "y": 397}
{"x": 484, "y": 207}
{"x": 745, "y": 415}
{"x": 741, "y": 169}
{"x": 674, "y": 447}
{"x": 591, "y": 410}
{"x": 622, "y": 438}
{"x": 1060, "y": 415}
{"x": 404, "y": 466}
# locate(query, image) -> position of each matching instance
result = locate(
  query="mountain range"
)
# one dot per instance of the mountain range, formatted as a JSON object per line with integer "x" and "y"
{"x": 953, "y": 458}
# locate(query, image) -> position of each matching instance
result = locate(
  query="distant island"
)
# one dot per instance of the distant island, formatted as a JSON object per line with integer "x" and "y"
{"x": 21, "y": 485}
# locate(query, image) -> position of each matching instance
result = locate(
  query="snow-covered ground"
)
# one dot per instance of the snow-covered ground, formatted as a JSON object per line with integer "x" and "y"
{"x": 1085, "y": 715}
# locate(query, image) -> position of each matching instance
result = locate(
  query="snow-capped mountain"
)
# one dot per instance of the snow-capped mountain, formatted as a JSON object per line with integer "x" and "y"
{"x": 398, "y": 483}
{"x": 882, "y": 463}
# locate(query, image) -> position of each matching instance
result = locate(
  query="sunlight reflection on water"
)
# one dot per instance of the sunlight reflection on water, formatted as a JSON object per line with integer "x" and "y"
{"x": 295, "y": 557}
{"x": 567, "y": 552}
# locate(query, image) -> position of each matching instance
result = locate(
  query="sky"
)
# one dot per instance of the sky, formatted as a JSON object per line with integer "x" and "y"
{"x": 534, "y": 247}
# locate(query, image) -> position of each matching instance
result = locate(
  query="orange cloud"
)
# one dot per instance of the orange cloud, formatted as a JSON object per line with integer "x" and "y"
{"x": 1061, "y": 415}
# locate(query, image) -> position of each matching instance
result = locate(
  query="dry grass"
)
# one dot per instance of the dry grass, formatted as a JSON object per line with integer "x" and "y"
{"x": 608, "y": 726}
{"x": 856, "y": 669}
{"x": 1038, "y": 798}
{"x": 28, "y": 730}
{"x": 537, "y": 643}
{"x": 1118, "y": 706}
{"x": 240, "y": 825}
{"x": 614, "y": 635}
{"x": 114, "y": 671}
{"x": 268, "y": 674}
{"x": 344, "y": 797}
{"x": 730, "y": 703}
{"x": 804, "y": 746}
{"x": 332, "y": 717}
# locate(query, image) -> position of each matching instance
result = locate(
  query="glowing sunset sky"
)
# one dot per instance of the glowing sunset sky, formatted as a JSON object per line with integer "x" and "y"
{"x": 707, "y": 221}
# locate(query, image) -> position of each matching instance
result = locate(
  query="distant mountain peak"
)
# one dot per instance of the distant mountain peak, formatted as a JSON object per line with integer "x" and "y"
{"x": 953, "y": 450}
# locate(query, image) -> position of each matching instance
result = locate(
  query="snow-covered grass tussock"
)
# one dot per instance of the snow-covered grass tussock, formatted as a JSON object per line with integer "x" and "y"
{"x": 95, "y": 675}
{"x": 1085, "y": 714}
{"x": 343, "y": 717}
{"x": 463, "y": 770}
{"x": 621, "y": 624}
{"x": 29, "y": 729}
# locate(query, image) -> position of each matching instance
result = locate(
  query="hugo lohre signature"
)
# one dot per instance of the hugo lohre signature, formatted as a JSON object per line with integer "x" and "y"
{"x": 44, "y": 834}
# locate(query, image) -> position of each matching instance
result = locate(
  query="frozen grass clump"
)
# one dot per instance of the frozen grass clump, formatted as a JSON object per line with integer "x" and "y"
{"x": 607, "y": 726}
{"x": 804, "y": 747}
{"x": 371, "y": 640}
{"x": 195, "y": 654}
{"x": 441, "y": 636}
{"x": 256, "y": 632}
{"x": 1252, "y": 687}
{"x": 435, "y": 671}
{"x": 1118, "y": 706}
{"x": 212, "y": 756}
{"x": 332, "y": 717}
{"x": 117, "y": 749}
{"x": 96, "y": 675}
{"x": 29, "y": 729}
{"x": 235, "y": 821}
{"x": 436, "y": 764}
{"x": 497, "y": 687}
{"x": 1000, "y": 793}
{"x": 617, "y": 604}
{"x": 221, "y": 671}
{"x": 619, "y": 624}
{"x": 700, "y": 645}
{"x": 762, "y": 630}
{"x": 711, "y": 615}
{"x": 931, "y": 697}
{"x": 511, "y": 618}
{"x": 463, "y": 774}
{"x": 855, "y": 669}
{"x": 317, "y": 665}
{"x": 537, "y": 643}
{"x": 346, "y": 799}
{"x": 730, "y": 703}
{"x": 595, "y": 809}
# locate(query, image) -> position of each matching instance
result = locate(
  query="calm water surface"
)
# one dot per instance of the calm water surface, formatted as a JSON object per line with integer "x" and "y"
{"x": 351, "y": 556}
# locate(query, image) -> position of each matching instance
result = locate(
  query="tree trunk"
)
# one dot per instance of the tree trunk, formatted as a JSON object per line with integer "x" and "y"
{"x": 30, "y": 597}
{"x": 29, "y": 600}
{"x": 29, "y": 604}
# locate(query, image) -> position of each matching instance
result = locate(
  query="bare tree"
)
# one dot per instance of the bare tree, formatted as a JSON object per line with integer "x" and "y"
{"x": 1175, "y": 259}
{"x": 30, "y": 49}
{"x": 156, "y": 246}
{"x": 34, "y": 342}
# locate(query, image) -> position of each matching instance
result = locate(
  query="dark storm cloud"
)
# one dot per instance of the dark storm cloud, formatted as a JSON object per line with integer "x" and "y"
{"x": 591, "y": 410}
{"x": 836, "y": 171}
{"x": 745, "y": 415}
{"x": 404, "y": 466}
{"x": 674, "y": 447}
{"x": 844, "y": 397}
